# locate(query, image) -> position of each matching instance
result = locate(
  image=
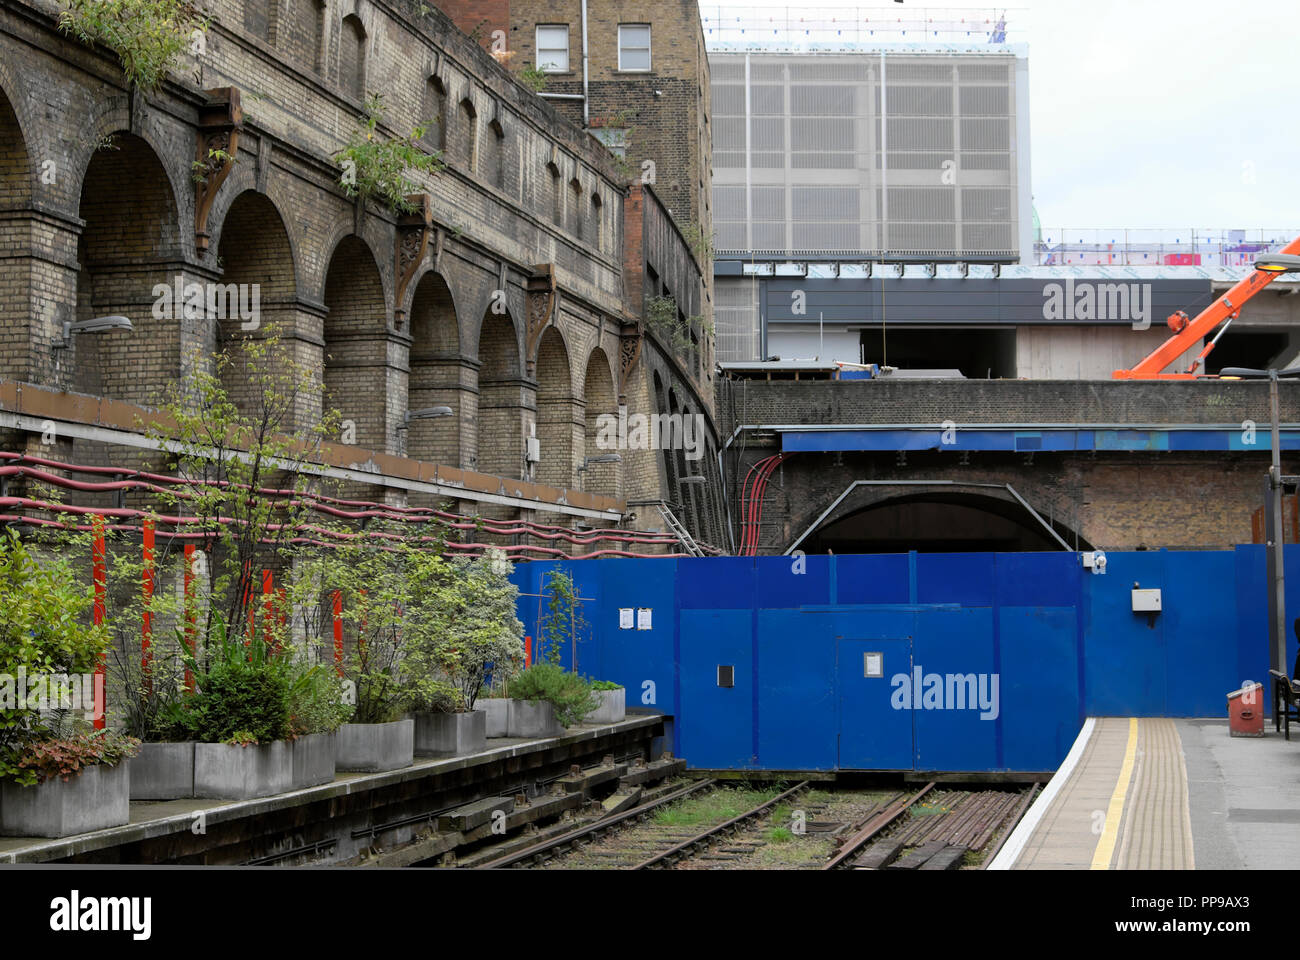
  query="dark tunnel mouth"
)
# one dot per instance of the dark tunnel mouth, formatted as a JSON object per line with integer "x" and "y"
{"x": 953, "y": 525}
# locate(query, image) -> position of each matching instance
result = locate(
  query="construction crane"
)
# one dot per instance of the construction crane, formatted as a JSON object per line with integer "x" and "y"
{"x": 1223, "y": 310}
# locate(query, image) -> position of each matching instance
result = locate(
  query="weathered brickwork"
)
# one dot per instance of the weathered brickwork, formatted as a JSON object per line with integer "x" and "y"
{"x": 525, "y": 196}
{"x": 1111, "y": 500}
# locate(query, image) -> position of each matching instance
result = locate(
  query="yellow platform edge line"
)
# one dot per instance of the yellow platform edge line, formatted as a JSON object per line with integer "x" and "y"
{"x": 1101, "y": 857}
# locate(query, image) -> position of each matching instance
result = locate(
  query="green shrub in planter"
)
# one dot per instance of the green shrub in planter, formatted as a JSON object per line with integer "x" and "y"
{"x": 460, "y": 619}
{"x": 316, "y": 701}
{"x": 570, "y": 694}
{"x": 606, "y": 685}
{"x": 242, "y": 695}
{"x": 45, "y": 606}
{"x": 67, "y": 756}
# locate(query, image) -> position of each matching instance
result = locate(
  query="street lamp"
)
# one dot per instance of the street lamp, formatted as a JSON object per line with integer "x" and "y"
{"x": 426, "y": 413}
{"x": 94, "y": 325}
{"x": 599, "y": 458}
{"x": 1277, "y": 262}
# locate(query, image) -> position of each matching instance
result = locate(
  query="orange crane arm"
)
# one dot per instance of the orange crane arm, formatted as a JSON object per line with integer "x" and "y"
{"x": 1188, "y": 332}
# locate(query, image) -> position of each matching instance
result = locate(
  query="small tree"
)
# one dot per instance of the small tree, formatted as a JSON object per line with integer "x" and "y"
{"x": 243, "y": 467}
{"x": 377, "y": 169}
{"x": 462, "y": 622}
{"x": 564, "y": 621}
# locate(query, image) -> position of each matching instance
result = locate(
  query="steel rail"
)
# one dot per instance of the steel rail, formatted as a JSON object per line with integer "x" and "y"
{"x": 538, "y": 849}
{"x": 678, "y": 849}
{"x": 1011, "y": 825}
{"x": 873, "y": 826}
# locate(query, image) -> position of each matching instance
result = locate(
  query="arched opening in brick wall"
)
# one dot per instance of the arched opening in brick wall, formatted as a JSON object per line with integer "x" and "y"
{"x": 552, "y": 200}
{"x": 556, "y": 412}
{"x": 352, "y": 57}
{"x": 259, "y": 19}
{"x": 494, "y": 155}
{"x": 299, "y": 28}
{"x": 576, "y": 209}
{"x": 356, "y": 344}
{"x": 467, "y": 135}
{"x": 23, "y": 339}
{"x": 501, "y": 400}
{"x": 597, "y": 237}
{"x": 936, "y": 521}
{"x": 667, "y": 464}
{"x": 598, "y": 392}
{"x": 437, "y": 373}
{"x": 257, "y": 297}
{"x": 129, "y": 246}
{"x": 434, "y": 119}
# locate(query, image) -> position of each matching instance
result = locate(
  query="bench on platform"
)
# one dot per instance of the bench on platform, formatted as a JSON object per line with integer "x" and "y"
{"x": 1286, "y": 701}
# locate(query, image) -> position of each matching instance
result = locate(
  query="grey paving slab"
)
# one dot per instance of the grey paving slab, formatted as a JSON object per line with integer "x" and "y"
{"x": 1244, "y": 797}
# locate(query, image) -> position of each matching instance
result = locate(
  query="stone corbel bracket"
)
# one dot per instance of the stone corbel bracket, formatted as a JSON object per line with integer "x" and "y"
{"x": 542, "y": 298}
{"x": 220, "y": 120}
{"x": 629, "y": 352}
{"x": 410, "y": 244}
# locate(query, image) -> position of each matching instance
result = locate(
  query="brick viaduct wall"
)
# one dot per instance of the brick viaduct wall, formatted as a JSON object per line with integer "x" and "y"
{"x": 1111, "y": 500}
{"x": 514, "y": 312}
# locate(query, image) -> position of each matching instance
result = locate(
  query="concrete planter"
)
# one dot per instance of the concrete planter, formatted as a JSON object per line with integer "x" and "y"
{"x": 226, "y": 772}
{"x": 313, "y": 760}
{"x": 95, "y": 799}
{"x": 611, "y": 708}
{"x": 450, "y": 734}
{"x": 372, "y": 747}
{"x": 532, "y": 720}
{"x": 163, "y": 771}
{"x": 497, "y": 712}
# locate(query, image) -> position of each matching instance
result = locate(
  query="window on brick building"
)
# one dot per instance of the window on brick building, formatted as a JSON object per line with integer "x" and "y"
{"x": 553, "y": 47}
{"x": 634, "y": 46}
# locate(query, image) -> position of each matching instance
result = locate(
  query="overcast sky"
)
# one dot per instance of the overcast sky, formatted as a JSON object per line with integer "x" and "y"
{"x": 1155, "y": 113}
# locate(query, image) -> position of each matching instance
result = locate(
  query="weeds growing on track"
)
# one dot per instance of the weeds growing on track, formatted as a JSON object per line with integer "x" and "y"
{"x": 714, "y": 807}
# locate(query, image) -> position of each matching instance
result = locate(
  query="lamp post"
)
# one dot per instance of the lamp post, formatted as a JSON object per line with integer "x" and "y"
{"x": 94, "y": 325}
{"x": 598, "y": 458}
{"x": 1273, "y": 263}
{"x": 1273, "y": 493}
{"x": 426, "y": 413}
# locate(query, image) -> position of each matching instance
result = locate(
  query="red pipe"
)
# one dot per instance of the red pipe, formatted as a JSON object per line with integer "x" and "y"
{"x": 99, "y": 574}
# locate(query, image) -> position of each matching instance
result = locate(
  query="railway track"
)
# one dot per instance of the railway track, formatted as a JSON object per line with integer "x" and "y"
{"x": 666, "y": 846}
{"x": 929, "y": 828}
{"x": 932, "y": 829}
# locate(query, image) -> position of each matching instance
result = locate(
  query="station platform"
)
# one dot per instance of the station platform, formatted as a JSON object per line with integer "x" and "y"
{"x": 336, "y": 821}
{"x": 1164, "y": 794}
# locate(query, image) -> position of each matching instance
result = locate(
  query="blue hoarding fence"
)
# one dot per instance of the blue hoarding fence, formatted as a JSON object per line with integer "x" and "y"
{"x": 943, "y": 662}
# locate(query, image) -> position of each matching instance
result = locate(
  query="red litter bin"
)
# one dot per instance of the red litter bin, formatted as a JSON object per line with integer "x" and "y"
{"x": 1246, "y": 711}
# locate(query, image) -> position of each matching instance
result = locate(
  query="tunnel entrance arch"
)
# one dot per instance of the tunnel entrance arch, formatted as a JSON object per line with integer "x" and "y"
{"x": 936, "y": 517}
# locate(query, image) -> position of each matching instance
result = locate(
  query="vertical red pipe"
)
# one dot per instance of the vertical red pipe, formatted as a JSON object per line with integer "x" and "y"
{"x": 146, "y": 626}
{"x": 100, "y": 574}
{"x": 268, "y": 588}
{"x": 191, "y": 618}
{"x": 528, "y": 652}
{"x": 338, "y": 631}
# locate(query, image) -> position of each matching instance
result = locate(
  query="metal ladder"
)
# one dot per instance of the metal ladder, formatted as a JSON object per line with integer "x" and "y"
{"x": 679, "y": 531}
